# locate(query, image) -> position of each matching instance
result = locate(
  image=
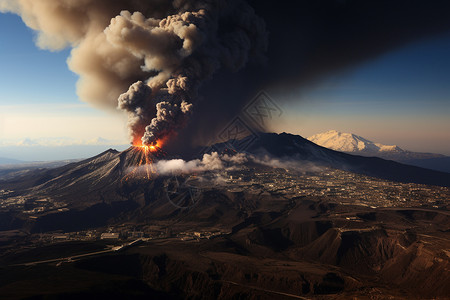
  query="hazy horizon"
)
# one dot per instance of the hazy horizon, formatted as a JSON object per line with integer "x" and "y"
{"x": 400, "y": 97}
{"x": 34, "y": 150}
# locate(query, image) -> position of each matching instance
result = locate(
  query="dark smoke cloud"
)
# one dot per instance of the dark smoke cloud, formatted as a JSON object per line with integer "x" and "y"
{"x": 309, "y": 40}
{"x": 330, "y": 36}
{"x": 169, "y": 118}
{"x": 312, "y": 39}
{"x": 136, "y": 102}
{"x": 151, "y": 56}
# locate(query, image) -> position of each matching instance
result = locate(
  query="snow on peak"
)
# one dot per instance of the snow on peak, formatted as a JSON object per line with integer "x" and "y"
{"x": 349, "y": 142}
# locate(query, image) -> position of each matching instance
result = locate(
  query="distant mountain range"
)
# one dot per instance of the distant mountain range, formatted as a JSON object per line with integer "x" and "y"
{"x": 9, "y": 161}
{"x": 355, "y": 144}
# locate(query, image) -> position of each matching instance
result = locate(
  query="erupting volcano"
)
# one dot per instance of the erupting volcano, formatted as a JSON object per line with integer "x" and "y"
{"x": 156, "y": 147}
{"x": 140, "y": 159}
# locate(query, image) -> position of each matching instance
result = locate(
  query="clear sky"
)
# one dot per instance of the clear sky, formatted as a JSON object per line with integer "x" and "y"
{"x": 402, "y": 97}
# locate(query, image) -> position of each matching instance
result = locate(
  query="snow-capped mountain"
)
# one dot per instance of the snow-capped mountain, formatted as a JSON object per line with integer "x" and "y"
{"x": 349, "y": 142}
{"x": 355, "y": 144}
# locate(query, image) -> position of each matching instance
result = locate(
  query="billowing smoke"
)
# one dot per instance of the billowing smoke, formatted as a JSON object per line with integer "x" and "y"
{"x": 209, "y": 162}
{"x": 169, "y": 117}
{"x": 148, "y": 58}
{"x": 215, "y": 162}
{"x": 168, "y": 48}
{"x": 311, "y": 41}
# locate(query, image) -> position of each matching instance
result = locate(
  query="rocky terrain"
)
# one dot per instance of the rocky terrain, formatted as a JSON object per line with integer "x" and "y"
{"x": 308, "y": 248}
{"x": 300, "y": 227}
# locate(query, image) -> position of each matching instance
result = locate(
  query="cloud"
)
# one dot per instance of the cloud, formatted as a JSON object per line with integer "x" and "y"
{"x": 152, "y": 55}
{"x": 215, "y": 163}
{"x": 59, "y": 142}
{"x": 209, "y": 162}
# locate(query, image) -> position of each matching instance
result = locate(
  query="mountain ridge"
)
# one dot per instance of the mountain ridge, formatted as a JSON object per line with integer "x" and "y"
{"x": 357, "y": 145}
{"x": 286, "y": 145}
{"x": 352, "y": 143}
{"x": 101, "y": 172}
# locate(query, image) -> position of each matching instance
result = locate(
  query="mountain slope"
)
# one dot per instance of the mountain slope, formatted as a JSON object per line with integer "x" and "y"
{"x": 265, "y": 243}
{"x": 354, "y": 144}
{"x": 349, "y": 142}
{"x": 437, "y": 163}
{"x": 295, "y": 147}
{"x": 94, "y": 180}
{"x": 100, "y": 176}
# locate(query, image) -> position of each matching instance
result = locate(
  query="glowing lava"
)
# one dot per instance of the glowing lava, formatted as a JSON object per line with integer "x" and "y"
{"x": 142, "y": 160}
{"x": 149, "y": 148}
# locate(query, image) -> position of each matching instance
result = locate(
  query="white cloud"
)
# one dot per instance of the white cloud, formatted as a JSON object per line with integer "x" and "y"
{"x": 66, "y": 124}
{"x": 209, "y": 162}
{"x": 59, "y": 142}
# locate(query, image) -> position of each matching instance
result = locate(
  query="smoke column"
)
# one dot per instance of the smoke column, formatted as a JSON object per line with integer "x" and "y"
{"x": 147, "y": 58}
{"x": 309, "y": 41}
{"x": 157, "y": 51}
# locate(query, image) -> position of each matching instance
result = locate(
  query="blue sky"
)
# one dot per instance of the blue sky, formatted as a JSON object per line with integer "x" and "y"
{"x": 401, "y": 97}
{"x": 41, "y": 116}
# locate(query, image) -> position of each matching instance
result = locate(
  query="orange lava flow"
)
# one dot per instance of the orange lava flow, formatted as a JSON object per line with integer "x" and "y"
{"x": 146, "y": 148}
{"x": 143, "y": 163}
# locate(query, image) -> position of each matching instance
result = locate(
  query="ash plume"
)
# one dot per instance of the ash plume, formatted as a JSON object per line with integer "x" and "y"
{"x": 172, "y": 47}
{"x": 309, "y": 41}
{"x": 147, "y": 58}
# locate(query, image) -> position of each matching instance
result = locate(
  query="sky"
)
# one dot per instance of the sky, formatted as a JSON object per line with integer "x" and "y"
{"x": 401, "y": 97}
{"x": 41, "y": 116}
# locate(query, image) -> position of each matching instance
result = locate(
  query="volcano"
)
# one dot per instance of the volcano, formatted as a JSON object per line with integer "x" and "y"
{"x": 236, "y": 231}
{"x": 102, "y": 177}
{"x": 113, "y": 183}
{"x": 91, "y": 181}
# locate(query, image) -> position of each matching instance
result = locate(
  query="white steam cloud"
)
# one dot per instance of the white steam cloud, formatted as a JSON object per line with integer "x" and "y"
{"x": 209, "y": 162}
{"x": 216, "y": 163}
{"x": 148, "y": 58}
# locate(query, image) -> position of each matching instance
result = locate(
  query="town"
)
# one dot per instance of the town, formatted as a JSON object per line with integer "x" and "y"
{"x": 339, "y": 186}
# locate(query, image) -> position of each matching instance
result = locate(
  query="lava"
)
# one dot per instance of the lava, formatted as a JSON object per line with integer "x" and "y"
{"x": 156, "y": 147}
{"x": 142, "y": 158}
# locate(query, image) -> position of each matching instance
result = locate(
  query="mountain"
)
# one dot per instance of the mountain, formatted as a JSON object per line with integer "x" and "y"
{"x": 354, "y": 144}
{"x": 349, "y": 142}
{"x": 102, "y": 176}
{"x": 295, "y": 147}
{"x": 86, "y": 194}
{"x": 247, "y": 238}
{"x": 9, "y": 161}
{"x": 84, "y": 182}
{"x": 437, "y": 163}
